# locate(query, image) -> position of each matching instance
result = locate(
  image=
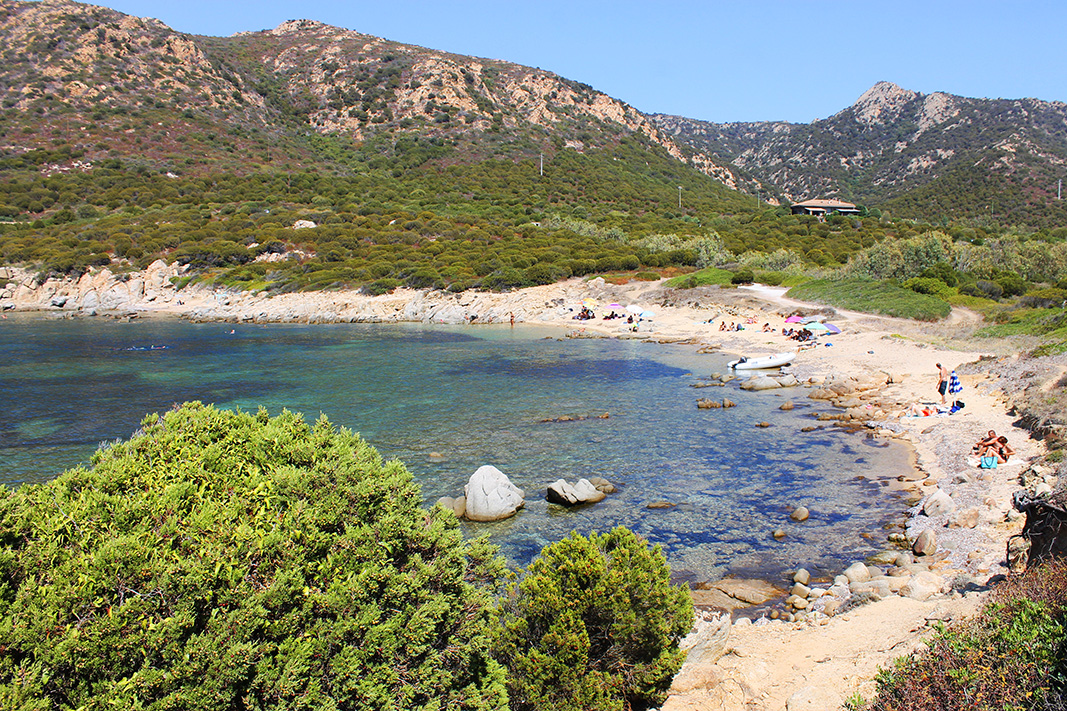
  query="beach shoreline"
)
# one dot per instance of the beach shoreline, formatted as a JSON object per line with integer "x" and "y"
{"x": 871, "y": 372}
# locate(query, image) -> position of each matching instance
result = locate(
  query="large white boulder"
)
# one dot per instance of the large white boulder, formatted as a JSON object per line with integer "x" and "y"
{"x": 490, "y": 495}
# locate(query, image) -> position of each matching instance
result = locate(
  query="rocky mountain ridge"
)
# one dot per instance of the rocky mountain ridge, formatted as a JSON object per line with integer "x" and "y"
{"x": 892, "y": 141}
{"x": 76, "y": 73}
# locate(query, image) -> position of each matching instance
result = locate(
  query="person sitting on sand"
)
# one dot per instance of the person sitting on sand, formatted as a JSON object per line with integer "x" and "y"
{"x": 986, "y": 441}
{"x": 722, "y": 326}
{"x": 1001, "y": 449}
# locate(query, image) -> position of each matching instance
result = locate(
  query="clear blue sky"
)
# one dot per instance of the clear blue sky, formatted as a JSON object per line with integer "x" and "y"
{"x": 745, "y": 60}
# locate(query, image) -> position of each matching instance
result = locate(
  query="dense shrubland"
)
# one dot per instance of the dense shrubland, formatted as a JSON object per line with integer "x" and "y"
{"x": 226, "y": 560}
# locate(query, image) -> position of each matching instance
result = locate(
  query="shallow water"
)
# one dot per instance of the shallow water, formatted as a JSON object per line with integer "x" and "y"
{"x": 476, "y": 395}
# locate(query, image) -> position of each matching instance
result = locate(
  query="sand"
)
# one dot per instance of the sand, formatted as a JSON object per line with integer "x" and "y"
{"x": 816, "y": 664}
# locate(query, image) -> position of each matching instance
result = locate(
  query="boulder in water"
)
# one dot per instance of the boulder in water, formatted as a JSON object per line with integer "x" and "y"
{"x": 490, "y": 495}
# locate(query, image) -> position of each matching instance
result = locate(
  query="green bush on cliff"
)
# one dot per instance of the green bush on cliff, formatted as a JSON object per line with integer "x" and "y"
{"x": 224, "y": 560}
{"x": 594, "y": 626}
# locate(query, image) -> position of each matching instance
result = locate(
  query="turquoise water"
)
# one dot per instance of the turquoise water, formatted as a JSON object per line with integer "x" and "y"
{"x": 446, "y": 400}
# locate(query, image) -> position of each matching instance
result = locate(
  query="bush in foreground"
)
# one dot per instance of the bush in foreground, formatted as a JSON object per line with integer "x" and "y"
{"x": 223, "y": 560}
{"x": 1012, "y": 655}
{"x": 594, "y": 626}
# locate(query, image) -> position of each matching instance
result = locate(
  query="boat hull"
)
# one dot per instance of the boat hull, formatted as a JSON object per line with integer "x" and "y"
{"x": 772, "y": 361}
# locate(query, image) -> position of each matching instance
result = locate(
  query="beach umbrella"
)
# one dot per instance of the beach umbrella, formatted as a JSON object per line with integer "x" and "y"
{"x": 832, "y": 328}
{"x": 614, "y": 306}
{"x": 812, "y": 319}
{"x": 794, "y": 319}
{"x": 589, "y": 303}
{"x": 634, "y": 309}
{"x": 954, "y": 385}
{"x": 816, "y": 326}
{"x": 647, "y": 314}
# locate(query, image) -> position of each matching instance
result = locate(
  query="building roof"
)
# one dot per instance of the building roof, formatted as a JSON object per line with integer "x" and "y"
{"x": 831, "y": 204}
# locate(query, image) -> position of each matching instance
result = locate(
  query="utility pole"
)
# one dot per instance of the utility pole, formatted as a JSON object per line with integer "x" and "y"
{"x": 679, "y": 197}
{"x": 542, "y": 165}
{"x": 1059, "y": 190}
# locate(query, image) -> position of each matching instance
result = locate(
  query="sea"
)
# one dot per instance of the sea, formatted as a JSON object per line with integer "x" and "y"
{"x": 708, "y": 486}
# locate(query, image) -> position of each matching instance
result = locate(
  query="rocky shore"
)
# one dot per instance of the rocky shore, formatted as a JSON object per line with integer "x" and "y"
{"x": 821, "y": 641}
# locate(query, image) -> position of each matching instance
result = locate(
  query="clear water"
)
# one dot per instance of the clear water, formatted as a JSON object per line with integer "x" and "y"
{"x": 446, "y": 400}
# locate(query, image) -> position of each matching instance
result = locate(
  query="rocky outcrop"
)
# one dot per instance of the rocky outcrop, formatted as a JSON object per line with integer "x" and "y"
{"x": 584, "y": 491}
{"x": 490, "y": 495}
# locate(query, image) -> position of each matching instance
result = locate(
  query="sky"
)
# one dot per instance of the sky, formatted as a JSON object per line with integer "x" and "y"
{"x": 745, "y": 60}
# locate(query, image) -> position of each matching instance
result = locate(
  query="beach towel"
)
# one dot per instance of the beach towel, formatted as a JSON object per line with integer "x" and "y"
{"x": 954, "y": 385}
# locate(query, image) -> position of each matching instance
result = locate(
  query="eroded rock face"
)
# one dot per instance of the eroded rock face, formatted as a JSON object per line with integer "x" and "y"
{"x": 490, "y": 495}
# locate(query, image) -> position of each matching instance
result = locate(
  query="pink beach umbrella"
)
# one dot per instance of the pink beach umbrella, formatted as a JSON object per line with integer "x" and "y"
{"x": 794, "y": 319}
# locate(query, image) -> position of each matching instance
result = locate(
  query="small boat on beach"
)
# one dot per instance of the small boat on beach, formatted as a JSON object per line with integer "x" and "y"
{"x": 771, "y": 361}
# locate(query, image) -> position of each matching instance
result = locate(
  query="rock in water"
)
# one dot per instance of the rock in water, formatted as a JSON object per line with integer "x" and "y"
{"x": 587, "y": 493}
{"x": 491, "y": 496}
{"x": 799, "y": 514}
{"x": 560, "y": 492}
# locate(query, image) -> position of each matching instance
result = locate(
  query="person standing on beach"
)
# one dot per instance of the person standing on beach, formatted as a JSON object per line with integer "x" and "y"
{"x": 942, "y": 381}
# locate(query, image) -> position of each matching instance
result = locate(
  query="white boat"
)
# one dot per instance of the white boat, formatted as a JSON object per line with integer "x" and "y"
{"x": 771, "y": 361}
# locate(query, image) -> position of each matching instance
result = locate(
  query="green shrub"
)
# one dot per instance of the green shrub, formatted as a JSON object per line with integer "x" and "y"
{"x": 1011, "y": 655}
{"x": 704, "y": 277}
{"x": 1045, "y": 298}
{"x": 928, "y": 285}
{"x": 381, "y": 286}
{"x": 646, "y": 276}
{"x": 594, "y": 626}
{"x": 222, "y": 560}
{"x": 770, "y": 278}
{"x": 745, "y": 276}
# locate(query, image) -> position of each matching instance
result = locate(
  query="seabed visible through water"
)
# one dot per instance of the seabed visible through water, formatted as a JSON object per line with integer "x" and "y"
{"x": 448, "y": 399}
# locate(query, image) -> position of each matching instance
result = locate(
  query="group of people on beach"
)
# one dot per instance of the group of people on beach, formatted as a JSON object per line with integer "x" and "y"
{"x": 993, "y": 445}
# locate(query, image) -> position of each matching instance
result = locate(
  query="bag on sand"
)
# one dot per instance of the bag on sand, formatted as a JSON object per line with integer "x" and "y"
{"x": 988, "y": 463}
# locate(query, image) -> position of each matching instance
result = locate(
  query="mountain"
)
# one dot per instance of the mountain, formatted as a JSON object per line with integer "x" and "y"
{"x": 922, "y": 155}
{"x": 82, "y": 84}
{"x": 304, "y": 93}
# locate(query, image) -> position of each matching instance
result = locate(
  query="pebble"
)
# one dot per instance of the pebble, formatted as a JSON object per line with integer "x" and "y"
{"x": 799, "y": 514}
{"x": 779, "y": 533}
{"x": 802, "y": 576}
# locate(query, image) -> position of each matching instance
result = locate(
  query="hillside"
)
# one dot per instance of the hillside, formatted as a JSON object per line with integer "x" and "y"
{"x": 303, "y": 94}
{"x": 926, "y": 156}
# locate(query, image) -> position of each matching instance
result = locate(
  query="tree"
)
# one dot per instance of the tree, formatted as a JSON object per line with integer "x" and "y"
{"x": 223, "y": 560}
{"x": 594, "y": 625}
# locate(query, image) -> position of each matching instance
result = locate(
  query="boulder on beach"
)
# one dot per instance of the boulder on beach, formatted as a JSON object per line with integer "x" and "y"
{"x": 938, "y": 504}
{"x": 490, "y": 495}
{"x": 926, "y": 543}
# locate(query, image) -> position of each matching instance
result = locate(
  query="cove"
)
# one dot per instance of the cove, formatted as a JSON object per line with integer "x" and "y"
{"x": 445, "y": 400}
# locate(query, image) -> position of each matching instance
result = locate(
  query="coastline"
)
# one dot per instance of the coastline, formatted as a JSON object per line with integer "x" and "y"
{"x": 872, "y": 370}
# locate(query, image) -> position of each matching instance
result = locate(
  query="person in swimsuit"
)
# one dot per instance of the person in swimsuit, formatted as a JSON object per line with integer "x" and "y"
{"x": 942, "y": 381}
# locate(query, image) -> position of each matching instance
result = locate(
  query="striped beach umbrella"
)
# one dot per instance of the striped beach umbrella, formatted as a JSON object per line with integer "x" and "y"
{"x": 954, "y": 386}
